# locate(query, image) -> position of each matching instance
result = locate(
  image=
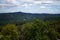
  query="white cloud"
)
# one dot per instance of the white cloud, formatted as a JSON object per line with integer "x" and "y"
{"x": 43, "y": 2}
{"x": 47, "y": 2}
{"x": 12, "y": 1}
{"x": 9, "y": 3}
{"x": 33, "y": 2}
{"x": 3, "y": 4}
{"x": 43, "y": 7}
{"x": 37, "y": 2}
{"x": 26, "y": 0}
{"x": 27, "y": 5}
{"x": 30, "y": 4}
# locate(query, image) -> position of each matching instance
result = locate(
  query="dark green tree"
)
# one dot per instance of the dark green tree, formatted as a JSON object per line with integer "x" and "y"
{"x": 38, "y": 30}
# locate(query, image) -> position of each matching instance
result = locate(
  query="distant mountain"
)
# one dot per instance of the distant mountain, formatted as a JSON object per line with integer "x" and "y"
{"x": 17, "y": 17}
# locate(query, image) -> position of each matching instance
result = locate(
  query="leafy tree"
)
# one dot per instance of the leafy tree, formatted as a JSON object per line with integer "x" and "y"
{"x": 38, "y": 30}
{"x": 9, "y": 32}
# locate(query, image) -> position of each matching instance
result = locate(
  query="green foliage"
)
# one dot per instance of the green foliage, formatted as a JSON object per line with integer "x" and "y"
{"x": 9, "y": 32}
{"x": 36, "y": 30}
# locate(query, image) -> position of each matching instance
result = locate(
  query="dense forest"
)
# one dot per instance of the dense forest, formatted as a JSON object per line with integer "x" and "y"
{"x": 35, "y": 27}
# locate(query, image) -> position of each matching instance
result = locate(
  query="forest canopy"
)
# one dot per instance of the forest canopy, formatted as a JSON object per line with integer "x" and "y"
{"x": 36, "y": 30}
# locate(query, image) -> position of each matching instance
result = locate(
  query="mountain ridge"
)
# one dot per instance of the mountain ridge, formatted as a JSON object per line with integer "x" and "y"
{"x": 30, "y": 13}
{"x": 22, "y": 17}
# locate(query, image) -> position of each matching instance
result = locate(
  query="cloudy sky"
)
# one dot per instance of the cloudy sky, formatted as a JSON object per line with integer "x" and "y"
{"x": 31, "y": 6}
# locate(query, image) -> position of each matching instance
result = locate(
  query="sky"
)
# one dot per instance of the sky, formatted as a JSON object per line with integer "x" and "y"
{"x": 30, "y": 6}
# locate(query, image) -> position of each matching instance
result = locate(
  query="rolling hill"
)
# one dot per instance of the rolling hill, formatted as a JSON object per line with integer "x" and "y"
{"x": 19, "y": 17}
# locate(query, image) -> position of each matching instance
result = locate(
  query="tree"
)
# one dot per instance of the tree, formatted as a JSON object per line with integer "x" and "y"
{"x": 38, "y": 30}
{"x": 9, "y": 32}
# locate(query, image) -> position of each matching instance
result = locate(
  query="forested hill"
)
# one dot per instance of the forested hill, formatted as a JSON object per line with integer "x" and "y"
{"x": 21, "y": 17}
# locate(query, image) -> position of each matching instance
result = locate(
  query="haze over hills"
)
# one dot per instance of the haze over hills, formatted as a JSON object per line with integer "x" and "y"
{"x": 22, "y": 17}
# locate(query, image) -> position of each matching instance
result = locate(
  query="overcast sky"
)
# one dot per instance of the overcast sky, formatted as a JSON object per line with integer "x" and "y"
{"x": 31, "y": 6}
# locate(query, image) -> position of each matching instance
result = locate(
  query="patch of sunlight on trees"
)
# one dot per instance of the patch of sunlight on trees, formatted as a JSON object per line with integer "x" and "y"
{"x": 9, "y": 32}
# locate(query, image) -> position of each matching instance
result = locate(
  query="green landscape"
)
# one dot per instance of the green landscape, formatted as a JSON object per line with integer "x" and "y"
{"x": 28, "y": 26}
